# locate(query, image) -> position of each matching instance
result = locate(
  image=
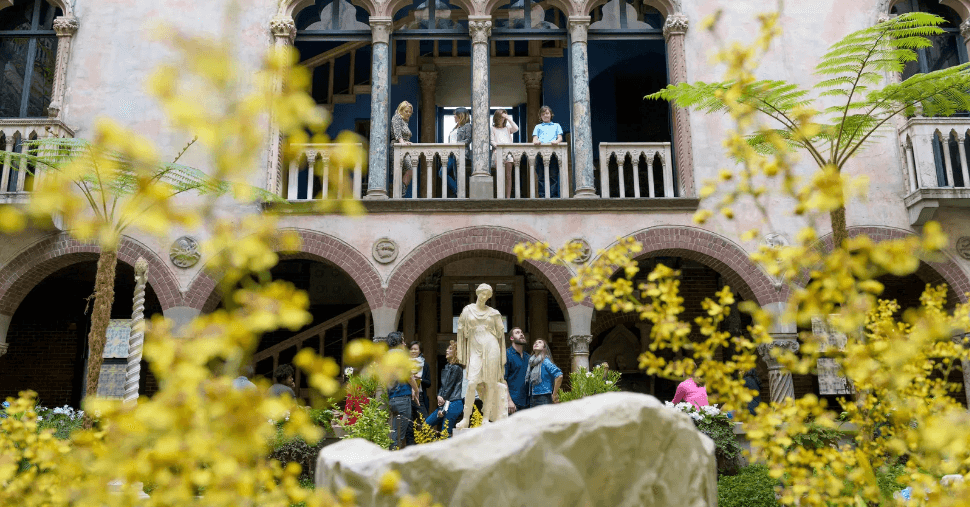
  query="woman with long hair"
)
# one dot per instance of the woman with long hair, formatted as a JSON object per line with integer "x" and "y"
{"x": 451, "y": 398}
{"x": 421, "y": 375}
{"x": 462, "y": 133}
{"x": 543, "y": 376}
{"x": 401, "y": 134}
{"x": 501, "y": 133}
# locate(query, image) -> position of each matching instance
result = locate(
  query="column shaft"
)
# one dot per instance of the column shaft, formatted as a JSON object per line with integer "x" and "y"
{"x": 428, "y": 334}
{"x": 780, "y": 384}
{"x": 284, "y": 32}
{"x": 538, "y": 315}
{"x": 480, "y": 27}
{"x": 380, "y": 95}
{"x": 533, "y": 93}
{"x": 675, "y": 29}
{"x": 65, "y": 27}
{"x": 429, "y": 83}
{"x": 582, "y": 133}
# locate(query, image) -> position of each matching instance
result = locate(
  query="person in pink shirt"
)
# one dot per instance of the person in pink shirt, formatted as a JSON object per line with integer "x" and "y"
{"x": 690, "y": 391}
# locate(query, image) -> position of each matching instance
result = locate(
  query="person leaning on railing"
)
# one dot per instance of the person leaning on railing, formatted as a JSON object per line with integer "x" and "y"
{"x": 401, "y": 133}
{"x": 547, "y": 132}
{"x": 502, "y": 129}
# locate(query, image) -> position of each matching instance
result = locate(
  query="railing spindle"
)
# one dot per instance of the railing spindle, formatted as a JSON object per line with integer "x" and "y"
{"x": 636, "y": 175}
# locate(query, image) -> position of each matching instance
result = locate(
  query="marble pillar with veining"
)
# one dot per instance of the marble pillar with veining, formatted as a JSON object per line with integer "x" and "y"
{"x": 582, "y": 135}
{"x": 480, "y": 27}
{"x": 675, "y": 30}
{"x": 380, "y": 95}
{"x": 780, "y": 385}
{"x": 283, "y": 29}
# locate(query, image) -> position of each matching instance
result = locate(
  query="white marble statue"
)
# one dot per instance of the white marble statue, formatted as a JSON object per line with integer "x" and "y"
{"x": 480, "y": 339}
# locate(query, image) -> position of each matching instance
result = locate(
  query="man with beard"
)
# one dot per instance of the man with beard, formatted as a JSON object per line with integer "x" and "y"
{"x": 543, "y": 376}
{"x": 516, "y": 364}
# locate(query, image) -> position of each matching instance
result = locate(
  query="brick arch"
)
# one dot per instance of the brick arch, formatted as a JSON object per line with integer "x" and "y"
{"x": 716, "y": 252}
{"x": 930, "y": 272}
{"x": 40, "y": 260}
{"x": 204, "y": 295}
{"x": 494, "y": 242}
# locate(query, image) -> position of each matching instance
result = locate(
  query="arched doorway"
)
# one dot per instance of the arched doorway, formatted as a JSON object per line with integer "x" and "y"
{"x": 47, "y": 338}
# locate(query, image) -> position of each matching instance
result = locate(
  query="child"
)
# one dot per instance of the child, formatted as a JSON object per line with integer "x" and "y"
{"x": 547, "y": 132}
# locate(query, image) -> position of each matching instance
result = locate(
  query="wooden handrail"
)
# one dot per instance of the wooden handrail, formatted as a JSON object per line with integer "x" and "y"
{"x": 313, "y": 331}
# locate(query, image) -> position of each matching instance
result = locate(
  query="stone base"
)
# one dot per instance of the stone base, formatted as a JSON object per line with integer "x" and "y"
{"x": 481, "y": 187}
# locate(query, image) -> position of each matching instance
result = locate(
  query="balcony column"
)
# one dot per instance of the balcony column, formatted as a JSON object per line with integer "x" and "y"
{"x": 533, "y": 93}
{"x": 380, "y": 95}
{"x": 582, "y": 135}
{"x": 579, "y": 346}
{"x": 429, "y": 83}
{"x": 4, "y": 327}
{"x": 675, "y": 29}
{"x": 965, "y": 33}
{"x": 784, "y": 336}
{"x": 65, "y": 27}
{"x": 482, "y": 183}
{"x": 284, "y": 32}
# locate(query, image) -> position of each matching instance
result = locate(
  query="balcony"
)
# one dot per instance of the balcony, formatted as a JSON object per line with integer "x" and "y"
{"x": 630, "y": 176}
{"x": 16, "y": 180}
{"x": 935, "y": 152}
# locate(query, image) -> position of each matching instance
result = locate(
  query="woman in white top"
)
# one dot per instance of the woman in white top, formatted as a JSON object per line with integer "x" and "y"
{"x": 502, "y": 129}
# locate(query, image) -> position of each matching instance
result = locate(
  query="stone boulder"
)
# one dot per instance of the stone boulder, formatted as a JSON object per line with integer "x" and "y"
{"x": 614, "y": 449}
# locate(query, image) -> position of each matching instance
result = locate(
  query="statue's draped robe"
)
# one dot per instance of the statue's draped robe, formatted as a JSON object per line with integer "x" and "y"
{"x": 480, "y": 340}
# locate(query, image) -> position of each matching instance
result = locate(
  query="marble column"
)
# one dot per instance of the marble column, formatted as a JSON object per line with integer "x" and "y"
{"x": 582, "y": 133}
{"x": 65, "y": 27}
{"x": 4, "y": 327}
{"x": 136, "y": 336}
{"x": 533, "y": 93}
{"x": 675, "y": 29}
{"x": 538, "y": 314}
{"x": 482, "y": 183}
{"x": 429, "y": 83}
{"x": 380, "y": 95}
{"x": 579, "y": 346}
{"x": 965, "y": 33}
{"x": 780, "y": 384}
{"x": 284, "y": 32}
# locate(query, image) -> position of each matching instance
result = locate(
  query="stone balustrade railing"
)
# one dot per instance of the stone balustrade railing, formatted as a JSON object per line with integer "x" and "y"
{"x": 434, "y": 156}
{"x": 525, "y": 157}
{"x": 935, "y": 152}
{"x": 13, "y": 179}
{"x": 632, "y": 157}
{"x": 315, "y": 174}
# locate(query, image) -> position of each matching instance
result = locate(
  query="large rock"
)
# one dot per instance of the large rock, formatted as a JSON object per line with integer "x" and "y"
{"x": 616, "y": 449}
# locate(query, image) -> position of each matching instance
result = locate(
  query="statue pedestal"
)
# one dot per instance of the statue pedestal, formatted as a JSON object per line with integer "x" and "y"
{"x": 481, "y": 186}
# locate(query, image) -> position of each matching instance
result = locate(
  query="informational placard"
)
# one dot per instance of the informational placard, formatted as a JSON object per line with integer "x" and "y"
{"x": 831, "y": 378}
{"x": 111, "y": 382}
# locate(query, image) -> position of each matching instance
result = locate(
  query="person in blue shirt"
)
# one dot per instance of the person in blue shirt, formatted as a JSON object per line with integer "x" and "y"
{"x": 547, "y": 132}
{"x": 516, "y": 364}
{"x": 400, "y": 395}
{"x": 543, "y": 376}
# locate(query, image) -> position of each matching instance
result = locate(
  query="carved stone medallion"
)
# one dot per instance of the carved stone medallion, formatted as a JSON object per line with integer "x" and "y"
{"x": 775, "y": 240}
{"x": 963, "y": 247}
{"x": 385, "y": 250}
{"x": 185, "y": 252}
{"x": 587, "y": 251}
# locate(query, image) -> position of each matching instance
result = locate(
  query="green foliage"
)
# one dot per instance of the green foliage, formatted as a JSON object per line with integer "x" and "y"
{"x": 887, "y": 480}
{"x": 373, "y": 424}
{"x": 361, "y": 385}
{"x": 852, "y": 72}
{"x": 719, "y": 427}
{"x": 751, "y": 487}
{"x": 817, "y": 436}
{"x": 297, "y": 450}
{"x": 587, "y": 383}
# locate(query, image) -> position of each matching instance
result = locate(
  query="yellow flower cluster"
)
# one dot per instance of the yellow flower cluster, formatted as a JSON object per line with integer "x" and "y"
{"x": 425, "y": 434}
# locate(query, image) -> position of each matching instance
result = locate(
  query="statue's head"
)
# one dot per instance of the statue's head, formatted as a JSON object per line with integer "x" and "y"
{"x": 484, "y": 290}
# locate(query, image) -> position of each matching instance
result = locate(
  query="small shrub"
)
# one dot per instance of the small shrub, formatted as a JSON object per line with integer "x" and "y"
{"x": 373, "y": 424}
{"x": 751, "y": 487}
{"x": 425, "y": 433}
{"x": 587, "y": 383}
{"x": 716, "y": 425}
{"x": 476, "y": 419}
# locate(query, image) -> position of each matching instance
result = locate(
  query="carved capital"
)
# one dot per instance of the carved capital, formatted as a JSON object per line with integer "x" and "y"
{"x": 676, "y": 24}
{"x": 965, "y": 30}
{"x": 578, "y": 28}
{"x": 580, "y": 343}
{"x": 65, "y": 26}
{"x": 428, "y": 79}
{"x": 480, "y": 30}
{"x": 283, "y": 27}
{"x": 380, "y": 29}
{"x": 789, "y": 342}
{"x": 533, "y": 79}
{"x": 54, "y": 110}
{"x": 3, "y": 348}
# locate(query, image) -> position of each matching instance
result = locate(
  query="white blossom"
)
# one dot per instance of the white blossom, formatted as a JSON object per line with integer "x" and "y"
{"x": 609, "y": 382}
{"x": 589, "y": 374}
{"x": 349, "y": 371}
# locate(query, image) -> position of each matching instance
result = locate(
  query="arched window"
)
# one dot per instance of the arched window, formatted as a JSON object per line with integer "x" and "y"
{"x": 28, "y": 47}
{"x": 947, "y": 50}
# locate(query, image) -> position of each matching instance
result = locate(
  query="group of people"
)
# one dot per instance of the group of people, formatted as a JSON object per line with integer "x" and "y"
{"x": 502, "y": 128}
{"x": 532, "y": 380}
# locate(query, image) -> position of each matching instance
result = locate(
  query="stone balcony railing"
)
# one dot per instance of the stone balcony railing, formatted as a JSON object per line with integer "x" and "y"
{"x": 314, "y": 175}
{"x": 426, "y": 160}
{"x": 14, "y": 181}
{"x": 636, "y": 158}
{"x": 935, "y": 157}
{"x": 525, "y": 157}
